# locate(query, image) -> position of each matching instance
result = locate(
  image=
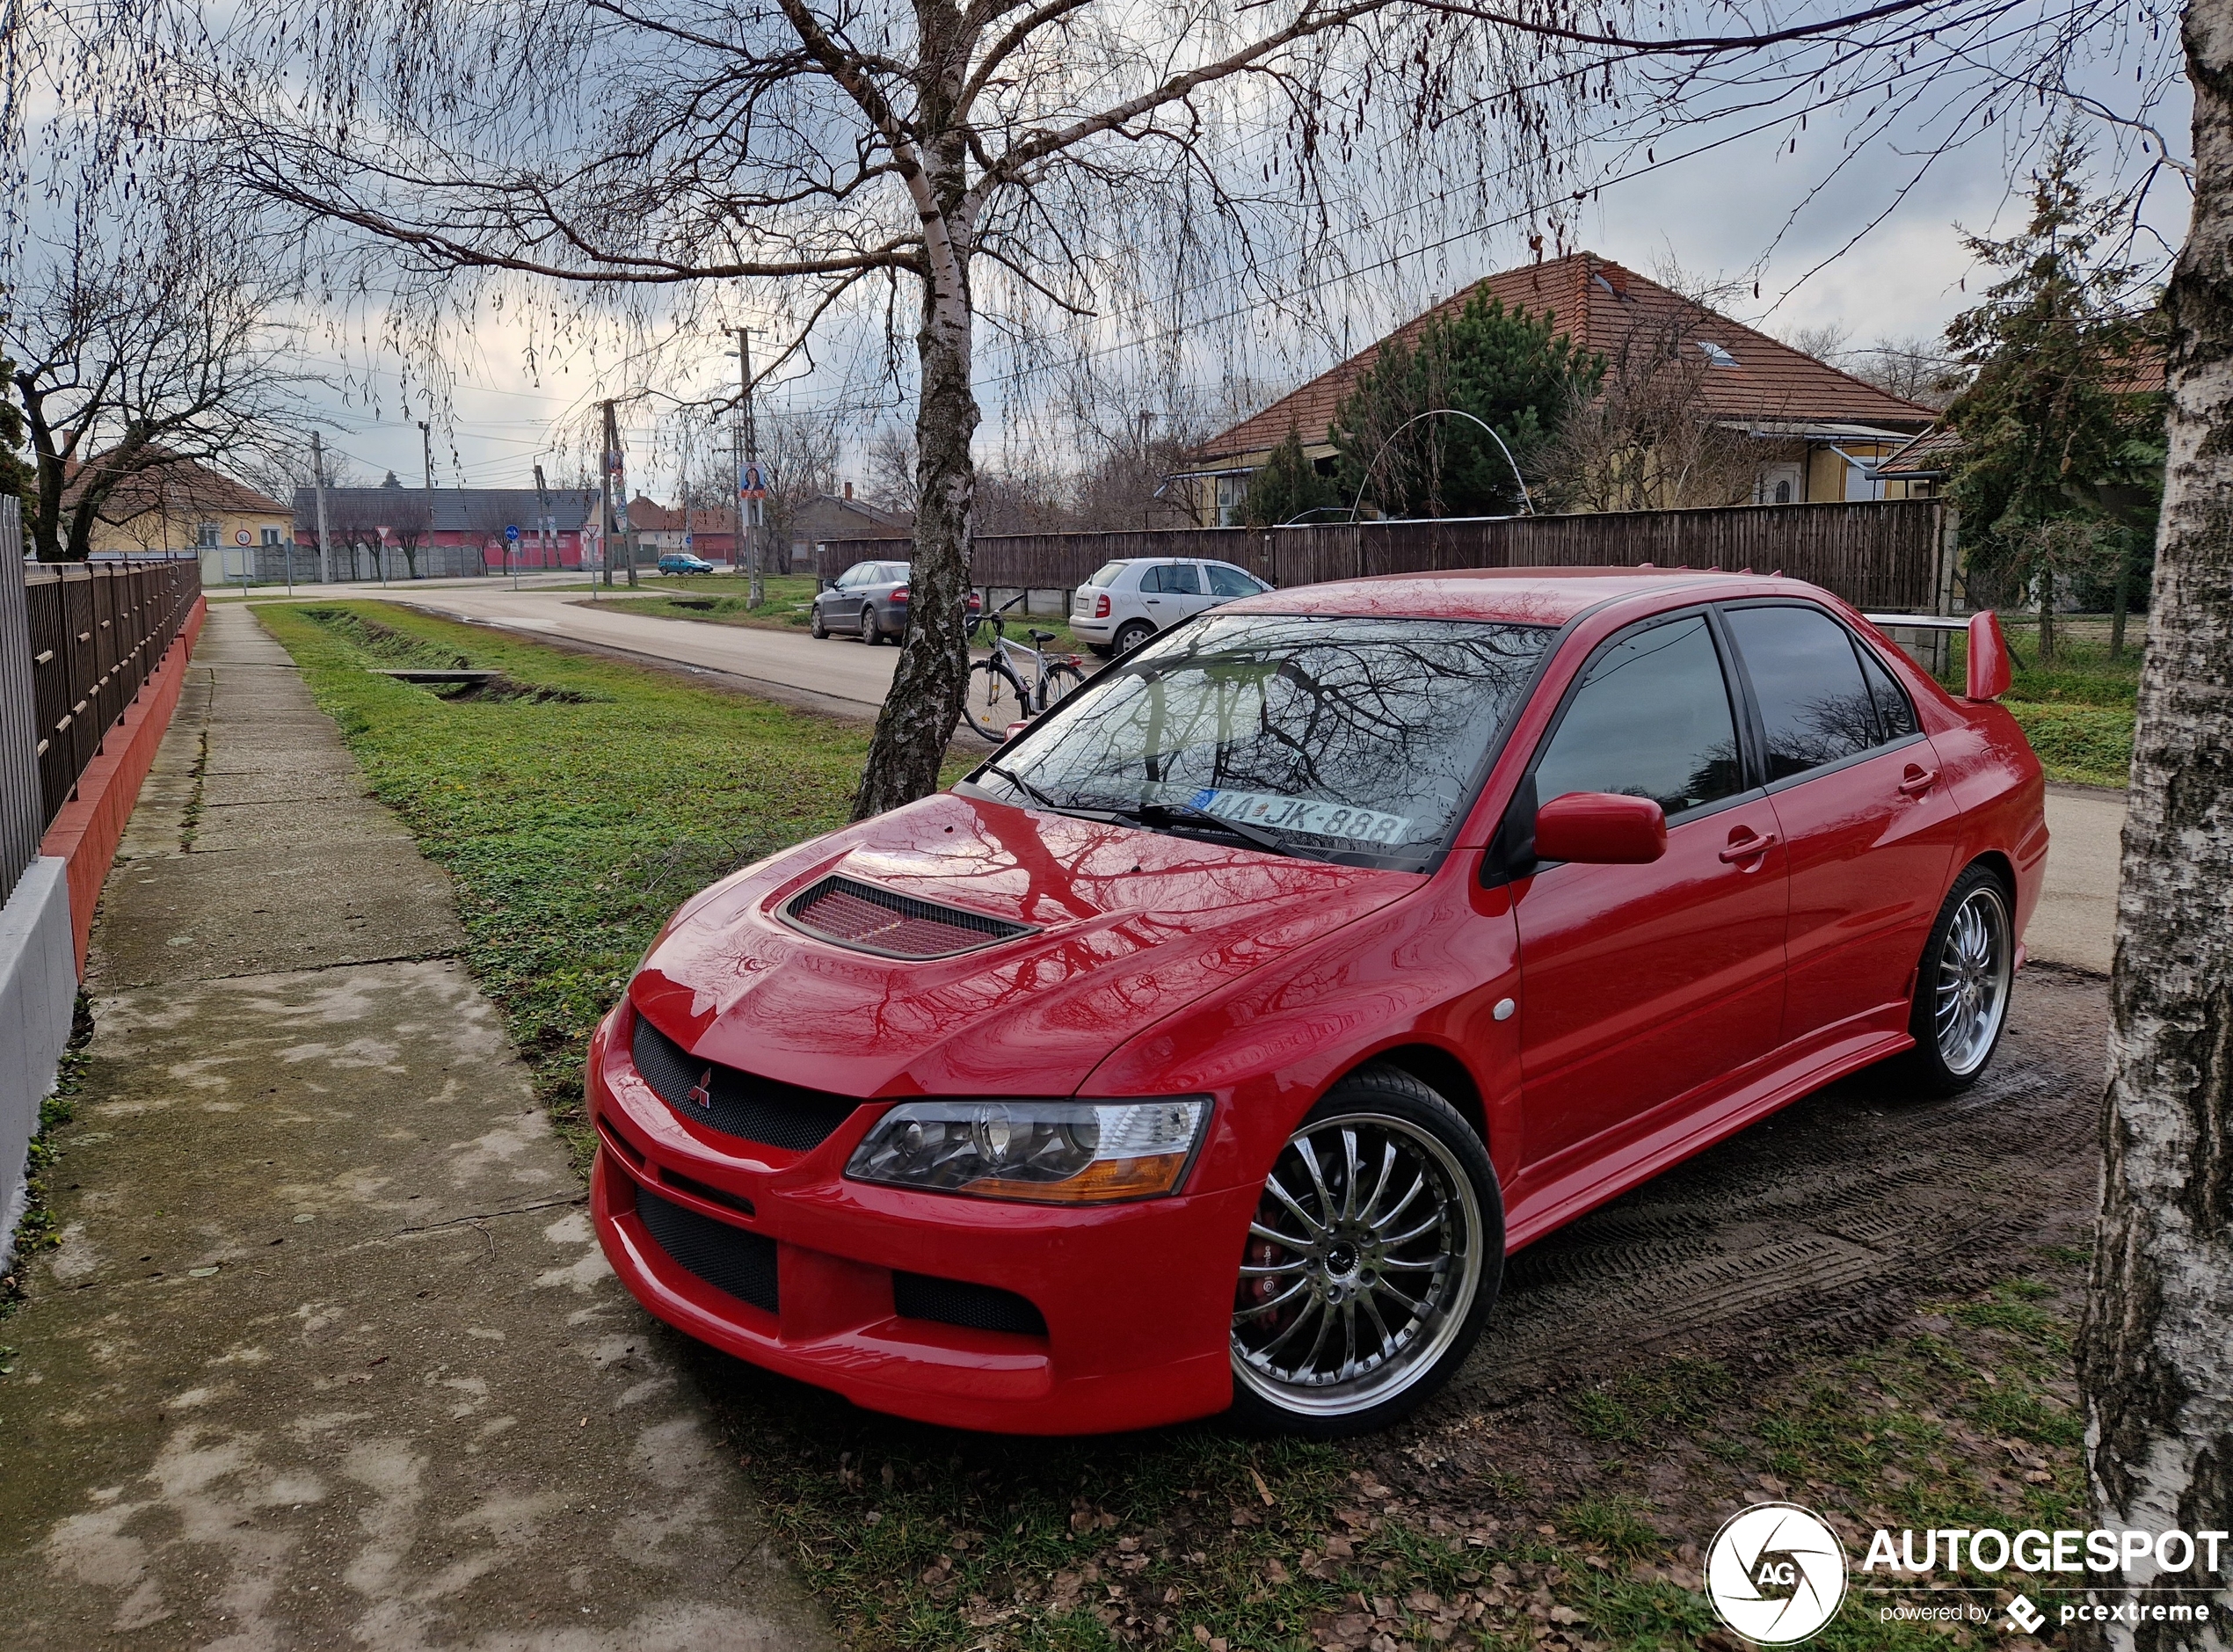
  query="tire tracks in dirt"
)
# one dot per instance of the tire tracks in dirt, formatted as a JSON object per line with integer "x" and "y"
{"x": 1828, "y": 1221}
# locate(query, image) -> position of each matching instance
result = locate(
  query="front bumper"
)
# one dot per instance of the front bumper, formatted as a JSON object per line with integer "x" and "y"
{"x": 1136, "y": 1305}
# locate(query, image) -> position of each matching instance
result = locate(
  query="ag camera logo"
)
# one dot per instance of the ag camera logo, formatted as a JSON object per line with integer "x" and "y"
{"x": 1776, "y": 1574}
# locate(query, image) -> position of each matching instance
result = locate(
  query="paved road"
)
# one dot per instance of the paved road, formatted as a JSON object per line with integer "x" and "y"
{"x": 834, "y": 675}
{"x": 2073, "y": 926}
{"x": 2077, "y": 913}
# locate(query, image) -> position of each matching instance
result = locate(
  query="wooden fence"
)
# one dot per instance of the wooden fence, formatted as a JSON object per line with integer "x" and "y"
{"x": 75, "y": 644}
{"x": 1882, "y": 556}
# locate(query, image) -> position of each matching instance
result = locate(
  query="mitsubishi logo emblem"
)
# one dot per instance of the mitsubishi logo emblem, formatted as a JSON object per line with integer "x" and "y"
{"x": 701, "y": 1092}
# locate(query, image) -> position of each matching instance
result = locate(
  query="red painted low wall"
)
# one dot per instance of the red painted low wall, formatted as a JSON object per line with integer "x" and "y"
{"x": 91, "y": 826}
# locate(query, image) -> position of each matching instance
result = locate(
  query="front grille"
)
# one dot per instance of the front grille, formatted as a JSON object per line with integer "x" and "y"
{"x": 871, "y": 920}
{"x": 979, "y": 1308}
{"x": 738, "y": 1103}
{"x": 727, "y": 1258}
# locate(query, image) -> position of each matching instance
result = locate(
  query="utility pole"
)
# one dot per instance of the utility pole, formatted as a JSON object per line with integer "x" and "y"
{"x": 317, "y": 486}
{"x": 605, "y": 502}
{"x": 748, "y": 454}
{"x": 545, "y": 537}
{"x": 426, "y": 448}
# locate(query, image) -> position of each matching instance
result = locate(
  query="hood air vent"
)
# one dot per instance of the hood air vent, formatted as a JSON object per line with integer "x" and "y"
{"x": 871, "y": 920}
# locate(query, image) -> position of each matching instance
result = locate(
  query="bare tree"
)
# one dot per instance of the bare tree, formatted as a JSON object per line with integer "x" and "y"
{"x": 1824, "y": 340}
{"x": 2155, "y": 1361}
{"x": 802, "y": 451}
{"x": 137, "y": 353}
{"x": 983, "y": 154}
{"x": 1650, "y": 437}
{"x": 1917, "y": 369}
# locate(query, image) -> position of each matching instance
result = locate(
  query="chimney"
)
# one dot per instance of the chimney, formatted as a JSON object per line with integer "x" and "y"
{"x": 849, "y": 489}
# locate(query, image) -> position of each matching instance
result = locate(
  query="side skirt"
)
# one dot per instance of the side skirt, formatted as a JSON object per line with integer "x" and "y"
{"x": 1545, "y": 1210}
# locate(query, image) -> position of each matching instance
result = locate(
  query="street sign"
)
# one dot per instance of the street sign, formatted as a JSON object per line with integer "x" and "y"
{"x": 752, "y": 482}
{"x": 383, "y": 532}
{"x": 512, "y": 533}
{"x": 689, "y": 540}
{"x": 240, "y": 536}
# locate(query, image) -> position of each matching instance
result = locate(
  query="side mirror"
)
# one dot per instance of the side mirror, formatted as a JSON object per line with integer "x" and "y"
{"x": 1990, "y": 669}
{"x": 1600, "y": 828}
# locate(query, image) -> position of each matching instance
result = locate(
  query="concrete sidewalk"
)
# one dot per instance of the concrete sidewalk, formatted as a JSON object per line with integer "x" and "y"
{"x": 329, "y": 1355}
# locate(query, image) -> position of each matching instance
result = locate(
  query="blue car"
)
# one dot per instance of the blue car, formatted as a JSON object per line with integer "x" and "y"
{"x": 683, "y": 561}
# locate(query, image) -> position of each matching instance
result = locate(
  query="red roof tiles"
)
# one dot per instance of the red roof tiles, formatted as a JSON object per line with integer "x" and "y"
{"x": 1597, "y": 302}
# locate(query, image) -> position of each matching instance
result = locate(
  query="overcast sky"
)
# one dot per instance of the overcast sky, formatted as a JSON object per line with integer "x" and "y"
{"x": 1720, "y": 215}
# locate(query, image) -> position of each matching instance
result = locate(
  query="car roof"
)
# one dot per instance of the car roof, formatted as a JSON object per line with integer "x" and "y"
{"x": 1535, "y": 596}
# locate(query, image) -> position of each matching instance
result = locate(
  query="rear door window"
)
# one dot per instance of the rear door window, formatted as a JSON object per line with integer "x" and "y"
{"x": 1173, "y": 579}
{"x": 1895, "y": 713}
{"x": 1651, "y": 719}
{"x": 1814, "y": 703}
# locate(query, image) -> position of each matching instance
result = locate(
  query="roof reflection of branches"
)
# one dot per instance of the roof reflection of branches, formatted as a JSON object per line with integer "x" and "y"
{"x": 1388, "y": 716}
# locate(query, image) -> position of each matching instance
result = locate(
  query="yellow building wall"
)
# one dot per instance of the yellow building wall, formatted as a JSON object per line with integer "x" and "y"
{"x": 155, "y": 531}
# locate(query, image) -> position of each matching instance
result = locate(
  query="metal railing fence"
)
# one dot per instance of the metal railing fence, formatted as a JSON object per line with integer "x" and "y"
{"x": 77, "y": 643}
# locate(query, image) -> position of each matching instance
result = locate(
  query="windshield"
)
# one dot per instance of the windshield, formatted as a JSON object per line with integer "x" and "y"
{"x": 1351, "y": 739}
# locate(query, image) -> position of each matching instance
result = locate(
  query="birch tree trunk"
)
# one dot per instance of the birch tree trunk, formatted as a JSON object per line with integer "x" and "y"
{"x": 2155, "y": 1360}
{"x": 925, "y": 702}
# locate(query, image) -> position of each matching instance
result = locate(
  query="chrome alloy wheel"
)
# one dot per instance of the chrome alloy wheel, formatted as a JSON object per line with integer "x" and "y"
{"x": 1362, "y": 1262}
{"x": 1976, "y": 962}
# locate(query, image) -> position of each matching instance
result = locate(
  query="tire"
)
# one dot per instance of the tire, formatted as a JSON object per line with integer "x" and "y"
{"x": 1130, "y": 635}
{"x": 1963, "y": 986}
{"x": 992, "y": 698}
{"x": 1057, "y": 681}
{"x": 869, "y": 632}
{"x": 814, "y": 626}
{"x": 1302, "y": 1279}
{"x": 1100, "y": 650}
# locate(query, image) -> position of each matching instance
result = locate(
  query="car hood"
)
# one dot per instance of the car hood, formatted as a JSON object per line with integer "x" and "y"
{"x": 1127, "y": 925}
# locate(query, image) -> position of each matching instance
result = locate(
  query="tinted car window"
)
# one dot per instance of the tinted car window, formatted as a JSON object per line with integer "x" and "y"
{"x": 1895, "y": 717}
{"x": 1229, "y": 582}
{"x": 1176, "y": 578}
{"x": 1651, "y": 719}
{"x": 1106, "y": 574}
{"x": 853, "y": 575}
{"x": 1813, "y": 699}
{"x": 1360, "y": 738}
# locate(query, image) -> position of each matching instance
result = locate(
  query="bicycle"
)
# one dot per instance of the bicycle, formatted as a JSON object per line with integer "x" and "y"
{"x": 996, "y": 695}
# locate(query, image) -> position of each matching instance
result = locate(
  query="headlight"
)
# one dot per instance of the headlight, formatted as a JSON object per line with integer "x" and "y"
{"x": 1058, "y": 1153}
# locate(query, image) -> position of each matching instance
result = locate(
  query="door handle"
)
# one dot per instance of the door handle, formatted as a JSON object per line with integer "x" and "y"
{"x": 1917, "y": 780}
{"x": 1752, "y": 848}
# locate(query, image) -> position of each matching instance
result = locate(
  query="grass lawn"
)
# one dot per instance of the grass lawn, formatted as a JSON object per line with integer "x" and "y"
{"x": 572, "y": 825}
{"x": 2078, "y": 713}
{"x": 575, "y": 815}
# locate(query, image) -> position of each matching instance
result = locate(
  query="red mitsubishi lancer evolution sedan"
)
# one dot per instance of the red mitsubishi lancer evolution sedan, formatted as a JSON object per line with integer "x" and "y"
{"x": 1212, "y": 1044}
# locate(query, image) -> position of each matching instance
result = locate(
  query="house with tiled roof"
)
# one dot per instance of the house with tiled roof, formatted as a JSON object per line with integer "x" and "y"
{"x": 1820, "y": 432}
{"x": 174, "y": 505}
{"x": 1922, "y": 467}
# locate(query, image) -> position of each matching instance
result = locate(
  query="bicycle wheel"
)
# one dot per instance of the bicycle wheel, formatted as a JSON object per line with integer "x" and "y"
{"x": 1058, "y": 680}
{"x": 992, "y": 699}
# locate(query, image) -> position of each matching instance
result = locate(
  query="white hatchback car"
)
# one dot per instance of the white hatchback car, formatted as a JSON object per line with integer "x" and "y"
{"x": 1128, "y": 601}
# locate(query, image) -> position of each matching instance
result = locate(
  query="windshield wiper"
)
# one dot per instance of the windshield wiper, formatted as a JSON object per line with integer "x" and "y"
{"x": 1170, "y": 813}
{"x": 1025, "y": 787}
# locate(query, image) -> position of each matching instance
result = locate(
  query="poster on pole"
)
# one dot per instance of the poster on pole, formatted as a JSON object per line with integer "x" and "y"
{"x": 751, "y": 481}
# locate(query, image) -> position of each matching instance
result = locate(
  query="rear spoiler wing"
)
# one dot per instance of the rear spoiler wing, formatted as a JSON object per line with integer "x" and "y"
{"x": 1991, "y": 667}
